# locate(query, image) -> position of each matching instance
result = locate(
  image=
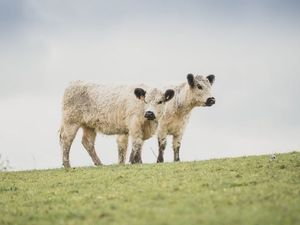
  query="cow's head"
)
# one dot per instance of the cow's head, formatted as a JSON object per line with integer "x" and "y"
{"x": 200, "y": 88}
{"x": 154, "y": 101}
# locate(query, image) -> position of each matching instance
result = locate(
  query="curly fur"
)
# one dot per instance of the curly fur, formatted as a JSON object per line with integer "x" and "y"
{"x": 110, "y": 110}
{"x": 178, "y": 110}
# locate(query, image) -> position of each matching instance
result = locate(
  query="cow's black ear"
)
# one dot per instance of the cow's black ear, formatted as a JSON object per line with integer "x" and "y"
{"x": 140, "y": 93}
{"x": 169, "y": 94}
{"x": 211, "y": 78}
{"x": 191, "y": 81}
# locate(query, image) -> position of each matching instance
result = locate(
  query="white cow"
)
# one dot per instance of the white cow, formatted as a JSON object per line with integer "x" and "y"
{"x": 195, "y": 92}
{"x": 110, "y": 110}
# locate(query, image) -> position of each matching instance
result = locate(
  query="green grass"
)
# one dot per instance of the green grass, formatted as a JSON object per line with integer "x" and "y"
{"x": 246, "y": 190}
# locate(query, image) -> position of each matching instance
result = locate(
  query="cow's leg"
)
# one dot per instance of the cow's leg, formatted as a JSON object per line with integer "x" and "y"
{"x": 88, "y": 141}
{"x": 67, "y": 135}
{"x": 135, "y": 156}
{"x": 162, "y": 142}
{"x": 136, "y": 135}
{"x": 122, "y": 141}
{"x": 176, "y": 146}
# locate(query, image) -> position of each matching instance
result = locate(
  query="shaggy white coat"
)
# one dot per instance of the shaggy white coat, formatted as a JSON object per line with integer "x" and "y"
{"x": 110, "y": 110}
{"x": 178, "y": 110}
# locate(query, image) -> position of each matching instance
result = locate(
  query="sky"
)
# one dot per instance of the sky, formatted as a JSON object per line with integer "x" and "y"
{"x": 252, "y": 47}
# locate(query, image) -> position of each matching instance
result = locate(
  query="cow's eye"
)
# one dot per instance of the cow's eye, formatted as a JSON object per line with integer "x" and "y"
{"x": 160, "y": 102}
{"x": 199, "y": 86}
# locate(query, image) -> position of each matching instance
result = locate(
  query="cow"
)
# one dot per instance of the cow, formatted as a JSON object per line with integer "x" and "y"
{"x": 112, "y": 110}
{"x": 193, "y": 93}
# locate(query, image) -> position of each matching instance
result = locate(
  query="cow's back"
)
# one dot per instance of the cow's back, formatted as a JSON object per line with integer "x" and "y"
{"x": 102, "y": 107}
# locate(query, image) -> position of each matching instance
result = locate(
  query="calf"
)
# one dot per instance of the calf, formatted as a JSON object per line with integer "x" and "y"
{"x": 195, "y": 92}
{"x": 110, "y": 110}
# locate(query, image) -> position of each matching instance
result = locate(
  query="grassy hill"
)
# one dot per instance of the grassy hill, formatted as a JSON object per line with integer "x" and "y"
{"x": 246, "y": 190}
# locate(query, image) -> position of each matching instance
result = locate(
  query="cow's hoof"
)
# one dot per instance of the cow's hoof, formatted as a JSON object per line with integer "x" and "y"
{"x": 67, "y": 165}
{"x": 138, "y": 161}
{"x": 137, "y": 158}
{"x": 160, "y": 159}
{"x": 131, "y": 158}
{"x": 98, "y": 164}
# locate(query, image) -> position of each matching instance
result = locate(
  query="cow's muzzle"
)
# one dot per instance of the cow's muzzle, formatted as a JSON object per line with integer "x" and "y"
{"x": 210, "y": 101}
{"x": 150, "y": 115}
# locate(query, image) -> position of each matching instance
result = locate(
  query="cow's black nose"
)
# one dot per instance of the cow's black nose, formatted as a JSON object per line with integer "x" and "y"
{"x": 210, "y": 101}
{"x": 149, "y": 115}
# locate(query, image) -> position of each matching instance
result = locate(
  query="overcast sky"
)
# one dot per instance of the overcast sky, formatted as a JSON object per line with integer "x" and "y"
{"x": 252, "y": 47}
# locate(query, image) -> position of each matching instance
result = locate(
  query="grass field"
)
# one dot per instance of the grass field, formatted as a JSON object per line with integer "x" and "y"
{"x": 246, "y": 190}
